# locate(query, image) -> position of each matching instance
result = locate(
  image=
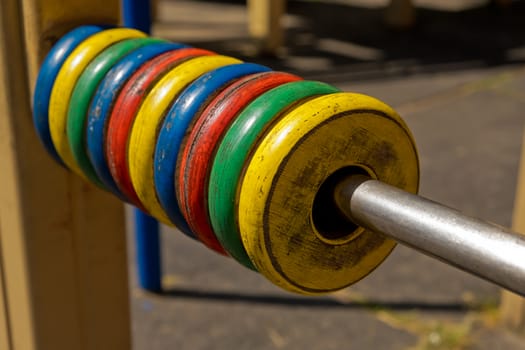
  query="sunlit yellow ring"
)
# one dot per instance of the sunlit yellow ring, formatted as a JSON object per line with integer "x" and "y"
{"x": 66, "y": 80}
{"x": 310, "y": 143}
{"x": 143, "y": 136}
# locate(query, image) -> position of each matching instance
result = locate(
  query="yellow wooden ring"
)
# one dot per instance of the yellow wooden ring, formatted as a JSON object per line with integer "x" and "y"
{"x": 65, "y": 83}
{"x": 143, "y": 135}
{"x": 310, "y": 144}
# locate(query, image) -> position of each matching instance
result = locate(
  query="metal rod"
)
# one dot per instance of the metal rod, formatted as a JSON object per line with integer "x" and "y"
{"x": 147, "y": 250}
{"x": 489, "y": 251}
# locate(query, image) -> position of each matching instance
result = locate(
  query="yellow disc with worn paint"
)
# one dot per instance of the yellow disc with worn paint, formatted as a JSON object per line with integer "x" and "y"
{"x": 66, "y": 80}
{"x": 289, "y": 225}
{"x": 143, "y": 135}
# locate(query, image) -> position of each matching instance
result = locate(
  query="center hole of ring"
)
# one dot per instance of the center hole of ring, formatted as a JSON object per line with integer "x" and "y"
{"x": 331, "y": 224}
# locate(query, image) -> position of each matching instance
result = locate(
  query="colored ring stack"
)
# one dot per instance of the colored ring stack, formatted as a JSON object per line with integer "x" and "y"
{"x": 233, "y": 154}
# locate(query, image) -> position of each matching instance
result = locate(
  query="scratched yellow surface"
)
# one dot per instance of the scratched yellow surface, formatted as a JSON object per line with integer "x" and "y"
{"x": 142, "y": 139}
{"x": 281, "y": 180}
{"x": 66, "y": 80}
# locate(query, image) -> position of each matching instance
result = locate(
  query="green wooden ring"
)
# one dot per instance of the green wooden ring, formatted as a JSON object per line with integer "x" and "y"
{"x": 82, "y": 95}
{"x": 233, "y": 152}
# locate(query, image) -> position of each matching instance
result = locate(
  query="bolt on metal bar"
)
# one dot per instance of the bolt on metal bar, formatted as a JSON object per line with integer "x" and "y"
{"x": 484, "y": 249}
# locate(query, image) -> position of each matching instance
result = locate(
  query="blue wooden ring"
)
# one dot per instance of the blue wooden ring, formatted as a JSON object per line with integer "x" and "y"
{"x": 102, "y": 104}
{"x": 46, "y": 78}
{"x": 186, "y": 107}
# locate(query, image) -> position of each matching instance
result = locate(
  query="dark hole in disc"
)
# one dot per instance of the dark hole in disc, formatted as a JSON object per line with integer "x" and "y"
{"x": 327, "y": 218}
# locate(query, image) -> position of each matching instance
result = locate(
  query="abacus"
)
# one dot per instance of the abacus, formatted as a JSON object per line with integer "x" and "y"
{"x": 288, "y": 177}
{"x": 291, "y": 178}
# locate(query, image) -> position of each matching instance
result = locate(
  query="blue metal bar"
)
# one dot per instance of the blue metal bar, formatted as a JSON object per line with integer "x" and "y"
{"x": 137, "y": 14}
{"x": 147, "y": 242}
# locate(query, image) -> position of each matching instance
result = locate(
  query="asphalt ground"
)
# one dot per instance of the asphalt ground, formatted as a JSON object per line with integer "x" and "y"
{"x": 458, "y": 80}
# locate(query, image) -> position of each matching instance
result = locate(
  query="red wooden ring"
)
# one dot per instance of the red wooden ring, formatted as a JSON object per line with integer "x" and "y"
{"x": 126, "y": 107}
{"x": 195, "y": 160}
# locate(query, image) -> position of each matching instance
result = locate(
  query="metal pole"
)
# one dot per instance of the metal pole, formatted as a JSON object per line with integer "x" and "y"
{"x": 489, "y": 251}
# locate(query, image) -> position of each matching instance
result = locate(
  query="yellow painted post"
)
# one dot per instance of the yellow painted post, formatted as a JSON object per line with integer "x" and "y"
{"x": 154, "y": 9}
{"x": 264, "y": 24}
{"x": 400, "y": 14}
{"x": 4, "y": 325}
{"x": 513, "y": 306}
{"x": 45, "y": 20}
{"x": 63, "y": 248}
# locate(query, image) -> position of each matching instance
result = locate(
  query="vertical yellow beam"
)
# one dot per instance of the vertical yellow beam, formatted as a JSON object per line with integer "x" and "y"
{"x": 63, "y": 246}
{"x": 11, "y": 94}
{"x": 513, "y": 306}
{"x": 46, "y": 20}
{"x": 264, "y": 24}
{"x": 4, "y": 325}
{"x": 400, "y": 14}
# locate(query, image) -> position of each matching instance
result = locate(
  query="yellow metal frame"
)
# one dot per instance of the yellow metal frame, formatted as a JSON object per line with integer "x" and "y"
{"x": 4, "y": 330}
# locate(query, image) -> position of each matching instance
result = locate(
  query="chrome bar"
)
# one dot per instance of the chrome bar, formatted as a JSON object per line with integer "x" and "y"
{"x": 484, "y": 249}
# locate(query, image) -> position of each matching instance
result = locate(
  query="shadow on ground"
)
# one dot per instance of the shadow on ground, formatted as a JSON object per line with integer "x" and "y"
{"x": 355, "y": 42}
{"x": 286, "y": 301}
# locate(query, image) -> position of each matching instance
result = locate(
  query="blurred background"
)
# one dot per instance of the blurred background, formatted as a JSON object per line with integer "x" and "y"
{"x": 455, "y": 72}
